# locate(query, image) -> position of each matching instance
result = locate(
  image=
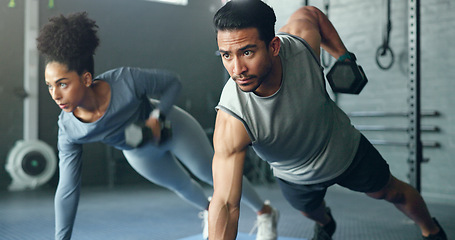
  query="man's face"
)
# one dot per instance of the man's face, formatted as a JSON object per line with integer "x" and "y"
{"x": 246, "y": 57}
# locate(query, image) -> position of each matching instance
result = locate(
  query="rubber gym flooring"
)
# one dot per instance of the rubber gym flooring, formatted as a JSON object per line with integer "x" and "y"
{"x": 148, "y": 212}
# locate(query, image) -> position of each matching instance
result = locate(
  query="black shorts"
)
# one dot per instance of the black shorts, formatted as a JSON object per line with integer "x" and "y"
{"x": 368, "y": 172}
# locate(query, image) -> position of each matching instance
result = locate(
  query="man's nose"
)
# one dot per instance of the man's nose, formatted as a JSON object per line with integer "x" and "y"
{"x": 239, "y": 67}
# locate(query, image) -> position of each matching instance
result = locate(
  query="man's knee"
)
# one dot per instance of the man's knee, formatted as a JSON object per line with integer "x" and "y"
{"x": 393, "y": 192}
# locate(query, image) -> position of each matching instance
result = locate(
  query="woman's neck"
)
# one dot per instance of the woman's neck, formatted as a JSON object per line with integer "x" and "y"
{"x": 97, "y": 101}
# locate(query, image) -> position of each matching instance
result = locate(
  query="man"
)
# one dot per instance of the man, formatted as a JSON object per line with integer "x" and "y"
{"x": 276, "y": 101}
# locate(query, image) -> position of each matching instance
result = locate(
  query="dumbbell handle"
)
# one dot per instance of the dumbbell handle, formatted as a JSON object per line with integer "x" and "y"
{"x": 351, "y": 56}
{"x": 347, "y": 55}
{"x": 158, "y": 125}
{"x": 153, "y": 129}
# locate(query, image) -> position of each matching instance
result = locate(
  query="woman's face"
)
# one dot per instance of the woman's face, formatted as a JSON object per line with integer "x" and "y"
{"x": 67, "y": 88}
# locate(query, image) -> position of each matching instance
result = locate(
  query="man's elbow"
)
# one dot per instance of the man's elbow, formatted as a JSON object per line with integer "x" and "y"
{"x": 306, "y": 13}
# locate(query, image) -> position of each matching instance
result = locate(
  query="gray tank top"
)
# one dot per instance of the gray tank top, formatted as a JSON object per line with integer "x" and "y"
{"x": 304, "y": 136}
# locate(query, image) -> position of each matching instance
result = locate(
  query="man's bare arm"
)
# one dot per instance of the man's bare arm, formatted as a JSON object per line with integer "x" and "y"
{"x": 313, "y": 25}
{"x": 230, "y": 142}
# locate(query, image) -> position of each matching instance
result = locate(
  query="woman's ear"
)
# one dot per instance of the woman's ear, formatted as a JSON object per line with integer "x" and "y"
{"x": 87, "y": 79}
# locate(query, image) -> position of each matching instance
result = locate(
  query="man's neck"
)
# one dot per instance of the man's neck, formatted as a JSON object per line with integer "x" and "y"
{"x": 273, "y": 82}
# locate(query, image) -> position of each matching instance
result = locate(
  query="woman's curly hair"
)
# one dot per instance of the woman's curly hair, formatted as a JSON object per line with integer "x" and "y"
{"x": 70, "y": 40}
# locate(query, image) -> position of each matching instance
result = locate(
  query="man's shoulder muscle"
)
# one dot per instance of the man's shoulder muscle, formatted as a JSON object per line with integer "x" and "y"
{"x": 230, "y": 134}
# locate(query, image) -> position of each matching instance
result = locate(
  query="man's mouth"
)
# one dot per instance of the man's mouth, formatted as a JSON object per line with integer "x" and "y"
{"x": 243, "y": 80}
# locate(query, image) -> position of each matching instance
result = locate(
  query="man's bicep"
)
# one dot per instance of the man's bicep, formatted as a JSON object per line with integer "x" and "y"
{"x": 230, "y": 143}
{"x": 230, "y": 133}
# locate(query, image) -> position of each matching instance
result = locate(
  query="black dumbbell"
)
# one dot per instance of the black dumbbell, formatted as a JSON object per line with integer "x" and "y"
{"x": 347, "y": 76}
{"x": 138, "y": 133}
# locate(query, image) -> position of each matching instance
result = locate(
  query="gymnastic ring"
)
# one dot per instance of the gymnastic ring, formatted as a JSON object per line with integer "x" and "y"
{"x": 382, "y": 51}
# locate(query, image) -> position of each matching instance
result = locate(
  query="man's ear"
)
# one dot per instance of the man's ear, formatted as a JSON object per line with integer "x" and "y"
{"x": 275, "y": 46}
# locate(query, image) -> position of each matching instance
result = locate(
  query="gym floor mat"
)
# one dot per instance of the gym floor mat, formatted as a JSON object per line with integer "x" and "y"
{"x": 242, "y": 236}
{"x": 147, "y": 212}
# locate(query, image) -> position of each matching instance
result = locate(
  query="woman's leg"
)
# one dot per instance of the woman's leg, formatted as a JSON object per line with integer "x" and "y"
{"x": 160, "y": 167}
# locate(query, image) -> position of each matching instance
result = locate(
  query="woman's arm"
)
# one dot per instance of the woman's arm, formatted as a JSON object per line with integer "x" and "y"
{"x": 68, "y": 189}
{"x": 160, "y": 84}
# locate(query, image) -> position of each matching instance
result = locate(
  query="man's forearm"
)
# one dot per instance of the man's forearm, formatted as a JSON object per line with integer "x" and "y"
{"x": 223, "y": 221}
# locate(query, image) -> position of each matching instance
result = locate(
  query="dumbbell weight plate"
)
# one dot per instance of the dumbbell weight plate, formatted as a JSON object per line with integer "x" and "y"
{"x": 134, "y": 135}
{"x": 346, "y": 77}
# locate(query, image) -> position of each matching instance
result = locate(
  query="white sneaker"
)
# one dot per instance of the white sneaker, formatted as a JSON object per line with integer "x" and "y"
{"x": 204, "y": 215}
{"x": 267, "y": 225}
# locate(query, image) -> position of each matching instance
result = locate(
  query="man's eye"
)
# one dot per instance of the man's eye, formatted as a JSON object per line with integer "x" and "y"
{"x": 248, "y": 53}
{"x": 63, "y": 85}
{"x": 226, "y": 56}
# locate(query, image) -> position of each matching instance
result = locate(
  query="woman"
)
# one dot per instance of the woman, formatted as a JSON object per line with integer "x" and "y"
{"x": 99, "y": 109}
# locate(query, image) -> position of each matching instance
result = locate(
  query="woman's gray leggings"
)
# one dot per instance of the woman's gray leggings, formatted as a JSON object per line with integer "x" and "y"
{"x": 191, "y": 146}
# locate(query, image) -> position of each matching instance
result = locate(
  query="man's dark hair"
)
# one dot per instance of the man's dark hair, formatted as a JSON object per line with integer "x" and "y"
{"x": 241, "y": 14}
{"x": 70, "y": 40}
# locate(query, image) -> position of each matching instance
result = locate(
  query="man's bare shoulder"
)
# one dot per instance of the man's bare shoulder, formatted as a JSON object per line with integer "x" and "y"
{"x": 230, "y": 133}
